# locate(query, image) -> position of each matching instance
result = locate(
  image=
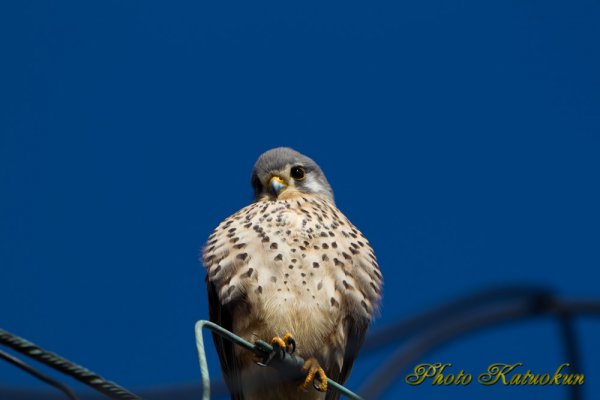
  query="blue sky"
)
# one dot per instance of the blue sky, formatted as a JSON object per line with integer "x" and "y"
{"x": 460, "y": 137}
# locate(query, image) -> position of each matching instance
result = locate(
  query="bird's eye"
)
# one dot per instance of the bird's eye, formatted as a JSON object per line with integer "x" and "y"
{"x": 297, "y": 173}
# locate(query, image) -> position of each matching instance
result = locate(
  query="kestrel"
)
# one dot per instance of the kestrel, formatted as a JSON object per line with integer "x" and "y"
{"x": 290, "y": 269}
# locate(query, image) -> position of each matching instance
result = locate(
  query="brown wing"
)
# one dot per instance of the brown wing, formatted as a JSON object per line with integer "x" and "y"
{"x": 230, "y": 367}
{"x": 355, "y": 332}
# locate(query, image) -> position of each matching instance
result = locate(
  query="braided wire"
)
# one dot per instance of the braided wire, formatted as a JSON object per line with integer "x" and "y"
{"x": 34, "y": 372}
{"x": 65, "y": 366}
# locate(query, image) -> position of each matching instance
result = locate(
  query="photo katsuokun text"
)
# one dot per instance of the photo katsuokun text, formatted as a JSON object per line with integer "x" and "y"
{"x": 515, "y": 374}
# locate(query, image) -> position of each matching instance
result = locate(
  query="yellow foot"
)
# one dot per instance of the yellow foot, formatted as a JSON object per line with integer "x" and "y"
{"x": 312, "y": 367}
{"x": 281, "y": 347}
{"x": 287, "y": 343}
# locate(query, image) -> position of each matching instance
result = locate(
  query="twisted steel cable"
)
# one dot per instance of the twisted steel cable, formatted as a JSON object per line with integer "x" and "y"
{"x": 65, "y": 366}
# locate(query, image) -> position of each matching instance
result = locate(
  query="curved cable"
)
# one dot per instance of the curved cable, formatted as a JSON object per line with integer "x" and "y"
{"x": 43, "y": 377}
{"x": 424, "y": 320}
{"x": 65, "y": 366}
{"x": 429, "y": 330}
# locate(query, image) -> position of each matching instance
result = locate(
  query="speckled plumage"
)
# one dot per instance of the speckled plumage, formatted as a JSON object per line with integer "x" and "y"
{"x": 294, "y": 264}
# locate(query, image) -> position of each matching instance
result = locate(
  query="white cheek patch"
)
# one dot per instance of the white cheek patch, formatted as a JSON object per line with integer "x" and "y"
{"x": 313, "y": 185}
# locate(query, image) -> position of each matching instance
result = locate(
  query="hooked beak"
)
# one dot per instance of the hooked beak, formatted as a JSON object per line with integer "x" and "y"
{"x": 277, "y": 184}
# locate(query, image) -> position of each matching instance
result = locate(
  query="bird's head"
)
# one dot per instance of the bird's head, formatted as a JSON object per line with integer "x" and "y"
{"x": 283, "y": 173}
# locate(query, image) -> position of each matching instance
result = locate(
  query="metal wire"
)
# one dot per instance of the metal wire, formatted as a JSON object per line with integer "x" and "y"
{"x": 421, "y": 334}
{"x": 65, "y": 366}
{"x": 565, "y": 320}
{"x": 32, "y": 371}
{"x": 260, "y": 348}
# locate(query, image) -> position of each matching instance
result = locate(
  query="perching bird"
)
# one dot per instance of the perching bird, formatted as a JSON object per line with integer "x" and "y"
{"x": 290, "y": 269}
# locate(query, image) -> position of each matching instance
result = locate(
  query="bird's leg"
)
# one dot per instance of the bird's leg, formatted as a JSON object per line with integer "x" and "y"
{"x": 313, "y": 369}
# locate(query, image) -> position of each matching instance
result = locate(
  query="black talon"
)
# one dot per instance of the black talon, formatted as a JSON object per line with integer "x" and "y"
{"x": 267, "y": 360}
{"x": 316, "y": 379}
{"x": 276, "y": 353}
{"x": 280, "y": 352}
{"x": 292, "y": 344}
{"x": 315, "y": 383}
